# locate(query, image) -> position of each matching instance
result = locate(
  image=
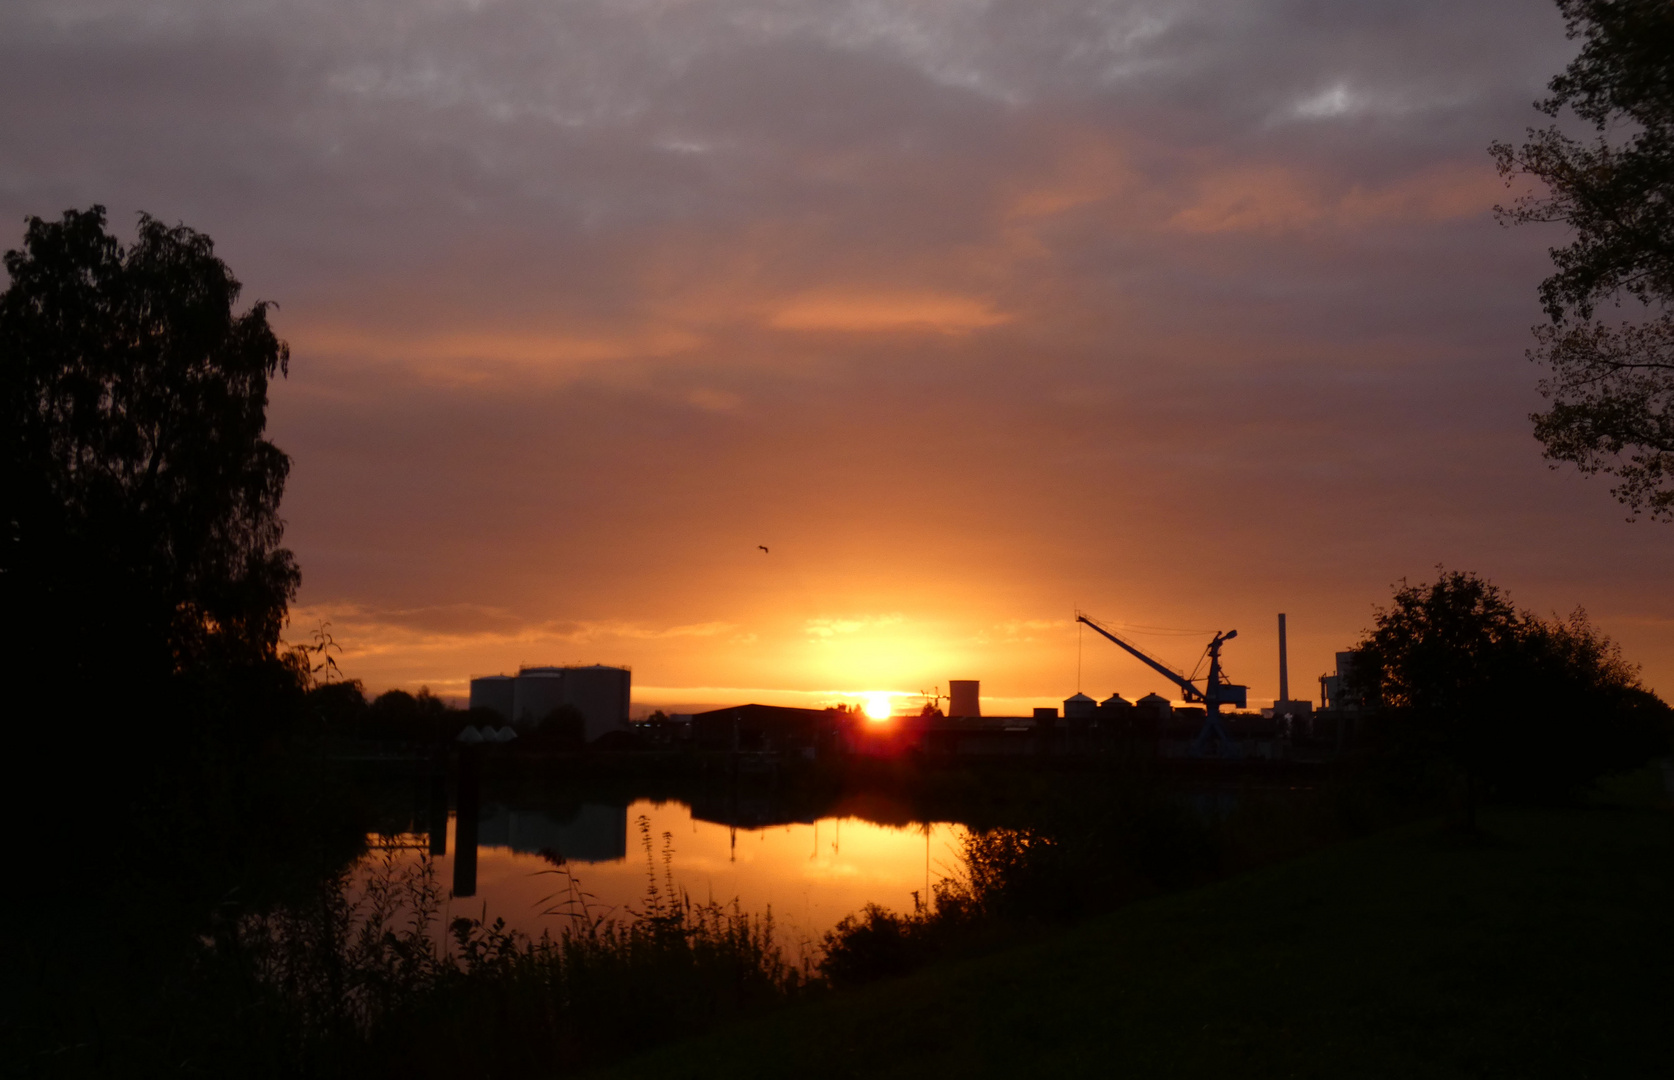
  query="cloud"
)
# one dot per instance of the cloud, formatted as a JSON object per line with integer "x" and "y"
{"x": 824, "y": 629}
{"x": 971, "y": 311}
{"x": 864, "y": 313}
{"x": 1274, "y": 199}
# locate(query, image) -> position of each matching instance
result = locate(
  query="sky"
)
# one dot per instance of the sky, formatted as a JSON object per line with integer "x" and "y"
{"x": 974, "y": 313}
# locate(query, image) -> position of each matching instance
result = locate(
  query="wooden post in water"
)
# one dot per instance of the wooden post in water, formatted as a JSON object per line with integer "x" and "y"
{"x": 438, "y": 814}
{"x": 465, "y": 823}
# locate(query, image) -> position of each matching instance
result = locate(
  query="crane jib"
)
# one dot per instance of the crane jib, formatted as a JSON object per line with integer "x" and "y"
{"x": 1218, "y": 692}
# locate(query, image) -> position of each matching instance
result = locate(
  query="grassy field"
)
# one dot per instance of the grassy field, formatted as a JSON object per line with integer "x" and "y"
{"x": 1543, "y": 947}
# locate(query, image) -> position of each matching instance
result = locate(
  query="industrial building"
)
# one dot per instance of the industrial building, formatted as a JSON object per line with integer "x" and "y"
{"x": 598, "y": 693}
{"x": 1334, "y": 690}
{"x": 1293, "y": 717}
{"x": 768, "y": 727}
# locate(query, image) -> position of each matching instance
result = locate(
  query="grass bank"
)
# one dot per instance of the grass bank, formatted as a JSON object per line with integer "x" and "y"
{"x": 1542, "y": 947}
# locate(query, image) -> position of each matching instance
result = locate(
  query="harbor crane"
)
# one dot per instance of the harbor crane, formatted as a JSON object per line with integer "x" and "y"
{"x": 1215, "y": 692}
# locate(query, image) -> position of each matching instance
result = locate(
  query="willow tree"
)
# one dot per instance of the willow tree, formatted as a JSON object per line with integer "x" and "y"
{"x": 138, "y": 491}
{"x": 1611, "y": 381}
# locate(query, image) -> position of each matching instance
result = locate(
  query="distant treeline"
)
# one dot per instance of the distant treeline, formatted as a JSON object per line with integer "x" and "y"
{"x": 340, "y": 710}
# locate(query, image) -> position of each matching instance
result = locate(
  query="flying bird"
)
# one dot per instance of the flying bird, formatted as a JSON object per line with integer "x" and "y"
{"x": 763, "y": 548}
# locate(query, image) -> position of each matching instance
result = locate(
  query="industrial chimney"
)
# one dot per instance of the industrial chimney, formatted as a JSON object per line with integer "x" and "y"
{"x": 1284, "y": 663}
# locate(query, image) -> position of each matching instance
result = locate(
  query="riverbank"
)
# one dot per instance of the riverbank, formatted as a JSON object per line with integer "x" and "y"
{"x": 1540, "y": 947}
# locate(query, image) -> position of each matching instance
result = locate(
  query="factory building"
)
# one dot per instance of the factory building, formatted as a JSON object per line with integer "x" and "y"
{"x": 599, "y": 694}
{"x": 1293, "y": 715}
{"x": 769, "y": 727}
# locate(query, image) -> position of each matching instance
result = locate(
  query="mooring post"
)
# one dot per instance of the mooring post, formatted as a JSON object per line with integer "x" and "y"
{"x": 438, "y": 814}
{"x": 465, "y": 823}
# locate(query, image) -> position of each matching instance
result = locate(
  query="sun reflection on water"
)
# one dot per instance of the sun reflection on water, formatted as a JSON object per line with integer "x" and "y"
{"x": 808, "y": 875}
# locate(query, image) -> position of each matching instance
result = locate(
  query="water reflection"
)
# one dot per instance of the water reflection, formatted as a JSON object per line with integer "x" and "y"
{"x": 596, "y": 833}
{"x": 810, "y": 873}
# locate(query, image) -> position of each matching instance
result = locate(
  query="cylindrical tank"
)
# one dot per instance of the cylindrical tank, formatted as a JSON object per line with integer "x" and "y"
{"x": 538, "y": 692}
{"x": 964, "y": 697}
{"x": 601, "y": 693}
{"x": 495, "y": 692}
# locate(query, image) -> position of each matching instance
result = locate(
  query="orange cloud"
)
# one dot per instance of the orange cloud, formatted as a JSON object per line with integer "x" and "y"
{"x": 1276, "y": 199}
{"x": 497, "y": 347}
{"x": 870, "y": 312}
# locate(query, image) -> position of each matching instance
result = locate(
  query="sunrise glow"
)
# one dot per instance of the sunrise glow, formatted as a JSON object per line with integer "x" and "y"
{"x": 878, "y": 707}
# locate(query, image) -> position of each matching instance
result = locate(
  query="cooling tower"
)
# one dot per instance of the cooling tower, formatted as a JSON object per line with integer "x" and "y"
{"x": 964, "y": 697}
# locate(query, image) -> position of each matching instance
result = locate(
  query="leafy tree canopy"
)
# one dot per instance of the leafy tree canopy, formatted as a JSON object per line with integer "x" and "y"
{"x": 139, "y": 496}
{"x": 1611, "y": 385}
{"x": 1532, "y": 706}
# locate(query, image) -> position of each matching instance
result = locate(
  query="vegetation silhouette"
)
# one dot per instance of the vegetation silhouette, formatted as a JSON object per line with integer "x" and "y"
{"x": 140, "y": 495}
{"x": 1528, "y": 707}
{"x": 1611, "y": 385}
{"x": 151, "y": 701}
{"x": 370, "y": 977}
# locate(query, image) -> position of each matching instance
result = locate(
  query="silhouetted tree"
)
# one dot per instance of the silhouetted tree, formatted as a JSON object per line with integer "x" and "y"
{"x": 563, "y": 728}
{"x": 138, "y": 494}
{"x": 340, "y": 707}
{"x": 397, "y": 714}
{"x": 1534, "y": 708}
{"x": 1611, "y": 386}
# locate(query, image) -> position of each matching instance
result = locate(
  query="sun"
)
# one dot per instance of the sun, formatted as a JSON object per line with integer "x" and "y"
{"x": 878, "y": 707}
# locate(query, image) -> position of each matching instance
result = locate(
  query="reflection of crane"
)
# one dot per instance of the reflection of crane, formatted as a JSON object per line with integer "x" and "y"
{"x": 1216, "y": 691}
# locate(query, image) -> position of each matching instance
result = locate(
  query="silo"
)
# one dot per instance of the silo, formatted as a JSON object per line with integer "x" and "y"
{"x": 496, "y": 693}
{"x": 1154, "y": 709}
{"x": 964, "y": 697}
{"x": 1079, "y": 707}
{"x": 1114, "y": 709}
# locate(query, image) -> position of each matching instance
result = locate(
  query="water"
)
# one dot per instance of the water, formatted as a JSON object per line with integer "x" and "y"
{"x": 809, "y": 874}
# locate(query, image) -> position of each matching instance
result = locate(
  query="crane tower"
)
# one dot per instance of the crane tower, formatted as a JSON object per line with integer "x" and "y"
{"x": 1215, "y": 692}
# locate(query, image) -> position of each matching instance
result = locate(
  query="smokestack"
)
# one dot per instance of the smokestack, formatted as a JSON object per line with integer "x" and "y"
{"x": 1284, "y": 662}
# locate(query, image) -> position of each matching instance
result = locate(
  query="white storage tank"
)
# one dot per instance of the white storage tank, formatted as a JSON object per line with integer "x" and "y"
{"x": 496, "y": 693}
{"x": 538, "y": 692}
{"x": 1080, "y": 707}
{"x": 601, "y": 693}
{"x": 598, "y": 692}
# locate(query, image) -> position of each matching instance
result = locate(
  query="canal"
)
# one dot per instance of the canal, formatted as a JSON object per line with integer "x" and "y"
{"x": 538, "y": 867}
